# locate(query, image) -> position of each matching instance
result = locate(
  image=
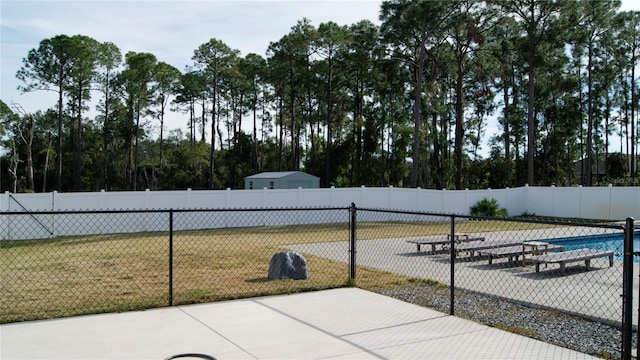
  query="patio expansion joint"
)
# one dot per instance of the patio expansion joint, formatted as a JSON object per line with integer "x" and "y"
{"x": 430, "y": 339}
{"x": 368, "y": 331}
{"x": 339, "y": 337}
{"x": 217, "y": 332}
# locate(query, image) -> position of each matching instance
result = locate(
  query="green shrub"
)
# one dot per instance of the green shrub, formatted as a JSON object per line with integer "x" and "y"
{"x": 486, "y": 207}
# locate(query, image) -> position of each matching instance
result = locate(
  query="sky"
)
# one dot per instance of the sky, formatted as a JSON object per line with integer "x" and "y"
{"x": 169, "y": 29}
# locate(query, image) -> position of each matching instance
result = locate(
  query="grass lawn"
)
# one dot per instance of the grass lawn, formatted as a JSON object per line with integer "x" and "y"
{"x": 119, "y": 272}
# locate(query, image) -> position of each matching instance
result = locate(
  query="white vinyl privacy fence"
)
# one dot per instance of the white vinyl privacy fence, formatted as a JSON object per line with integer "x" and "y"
{"x": 607, "y": 203}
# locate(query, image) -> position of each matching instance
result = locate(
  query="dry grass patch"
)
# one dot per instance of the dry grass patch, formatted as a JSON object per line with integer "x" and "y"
{"x": 118, "y": 272}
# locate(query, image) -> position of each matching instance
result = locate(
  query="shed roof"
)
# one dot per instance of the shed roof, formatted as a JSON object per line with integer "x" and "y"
{"x": 275, "y": 174}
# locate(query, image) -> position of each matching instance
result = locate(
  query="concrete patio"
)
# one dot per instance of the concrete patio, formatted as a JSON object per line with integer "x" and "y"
{"x": 594, "y": 293}
{"x": 346, "y": 323}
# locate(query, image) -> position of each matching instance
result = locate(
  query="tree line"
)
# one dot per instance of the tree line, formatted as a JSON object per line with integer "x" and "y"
{"x": 405, "y": 103}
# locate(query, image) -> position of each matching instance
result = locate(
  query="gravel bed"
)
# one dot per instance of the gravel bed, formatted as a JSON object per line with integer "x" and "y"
{"x": 554, "y": 327}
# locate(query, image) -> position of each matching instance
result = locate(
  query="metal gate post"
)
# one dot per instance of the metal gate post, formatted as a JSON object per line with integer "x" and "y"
{"x": 627, "y": 290}
{"x": 352, "y": 243}
{"x": 452, "y": 270}
{"x": 170, "y": 257}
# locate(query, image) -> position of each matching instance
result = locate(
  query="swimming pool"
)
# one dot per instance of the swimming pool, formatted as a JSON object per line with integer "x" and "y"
{"x": 613, "y": 242}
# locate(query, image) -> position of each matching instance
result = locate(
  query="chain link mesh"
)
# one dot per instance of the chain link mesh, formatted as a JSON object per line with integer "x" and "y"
{"x": 490, "y": 259}
{"x": 229, "y": 257}
{"x": 71, "y": 263}
{"x": 107, "y": 270}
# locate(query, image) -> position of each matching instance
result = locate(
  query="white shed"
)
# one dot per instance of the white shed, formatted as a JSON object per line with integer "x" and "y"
{"x": 282, "y": 180}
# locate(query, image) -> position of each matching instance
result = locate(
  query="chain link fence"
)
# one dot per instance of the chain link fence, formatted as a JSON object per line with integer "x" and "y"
{"x": 499, "y": 257}
{"x": 72, "y": 263}
{"x": 56, "y": 264}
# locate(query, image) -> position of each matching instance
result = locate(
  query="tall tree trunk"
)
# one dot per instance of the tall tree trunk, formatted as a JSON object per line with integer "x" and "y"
{"x": 45, "y": 167}
{"x": 73, "y": 133}
{"x": 357, "y": 121}
{"x": 292, "y": 122}
{"x": 162, "y": 109}
{"x": 507, "y": 134}
{"x": 254, "y": 106}
{"x": 417, "y": 98}
{"x": 606, "y": 131}
{"x": 13, "y": 166}
{"x": 129, "y": 145}
{"x": 280, "y": 140}
{"x": 589, "y": 160}
{"x": 328, "y": 160}
{"x": 632, "y": 164}
{"x": 77, "y": 178}
{"x": 29, "y": 151}
{"x": 531, "y": 123}
{"x": 59, "y": 139}
{"x": 192, "y": 121}
{"x": 203, "y": 134}
{"x": 459, "y": 140}
{"x": 135, "y": 149}
{"x": 314, "y": 156}
{"x": 437, "y": 153}
{"x": 213, "y": 136}
{"x": 105, "y": 136}
{"x": 239, "y": 117}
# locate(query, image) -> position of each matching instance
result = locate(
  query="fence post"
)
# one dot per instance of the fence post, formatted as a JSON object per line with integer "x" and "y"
{"x": 452, "y": 270}
{"x": 170, "y": 257}
{"x": 352, "y": 242}
{"x": 627, "y": 290}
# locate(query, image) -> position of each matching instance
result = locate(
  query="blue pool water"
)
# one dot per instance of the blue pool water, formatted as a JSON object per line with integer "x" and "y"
{"x": 612, "y": 242}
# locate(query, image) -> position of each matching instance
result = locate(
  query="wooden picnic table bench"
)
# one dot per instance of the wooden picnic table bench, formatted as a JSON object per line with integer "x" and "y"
{"x": 563, "y": 258}
{"x": 440, "y": 240}
{"x": 515, "y": 251}
{"x": 478, "y": 246}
